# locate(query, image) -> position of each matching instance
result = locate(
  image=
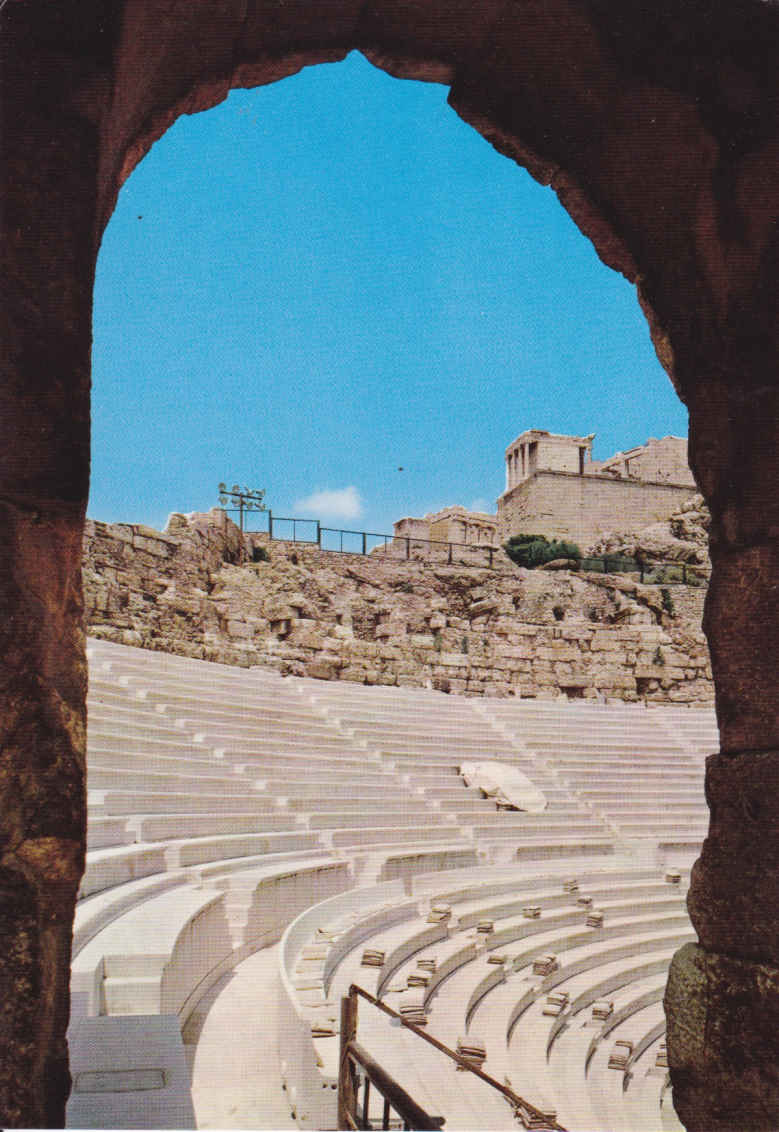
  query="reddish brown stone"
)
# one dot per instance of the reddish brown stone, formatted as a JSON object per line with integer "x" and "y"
{"x": 723, "y": 1041}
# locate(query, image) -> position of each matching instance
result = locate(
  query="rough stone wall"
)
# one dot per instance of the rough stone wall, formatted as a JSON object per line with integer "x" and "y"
{"x": 309, "y": 612}
{"x": 583, "y": 508}
{"x": 660, "y": 461}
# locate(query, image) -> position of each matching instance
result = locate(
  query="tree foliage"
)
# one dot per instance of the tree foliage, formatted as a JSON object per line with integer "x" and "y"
{"x": 534, "y": 550}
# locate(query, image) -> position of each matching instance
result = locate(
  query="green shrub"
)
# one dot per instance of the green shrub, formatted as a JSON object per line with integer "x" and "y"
{"x": 534, "y": 550}
{"x": 667, "y": 600}
{"x": 260, "y": 554}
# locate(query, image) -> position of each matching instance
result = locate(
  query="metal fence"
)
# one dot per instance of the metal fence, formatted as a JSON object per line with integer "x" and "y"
{"x": 338, "y": 540}
{"x": 650, "y": 573}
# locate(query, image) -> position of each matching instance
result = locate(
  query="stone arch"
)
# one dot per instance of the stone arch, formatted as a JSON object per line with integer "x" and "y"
{"x": 656, "y": 124}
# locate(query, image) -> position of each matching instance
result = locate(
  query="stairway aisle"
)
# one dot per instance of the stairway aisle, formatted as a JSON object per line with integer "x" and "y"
{"x": 236, "y": 1083}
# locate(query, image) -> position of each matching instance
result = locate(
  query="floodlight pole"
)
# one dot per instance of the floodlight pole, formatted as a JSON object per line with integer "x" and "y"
{"x": 245, "y": 499}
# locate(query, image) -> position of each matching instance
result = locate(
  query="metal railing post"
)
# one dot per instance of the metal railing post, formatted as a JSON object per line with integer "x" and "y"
{"x": 270, "y": 523}
{"x": 318, "y": 534}
{"x": 364, "y": 543}
{"x": 366, "y": 1101}
{"x": 347, "y": 1100}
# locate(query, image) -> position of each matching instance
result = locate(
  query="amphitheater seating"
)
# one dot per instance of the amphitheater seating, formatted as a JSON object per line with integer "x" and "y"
{"x": 223, "y": 803}
{"x": 463, "y": 993}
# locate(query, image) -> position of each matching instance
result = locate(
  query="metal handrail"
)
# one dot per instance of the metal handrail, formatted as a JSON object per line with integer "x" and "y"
{"x": 395, "y": 1096}
{"x": 517, "y": 1102}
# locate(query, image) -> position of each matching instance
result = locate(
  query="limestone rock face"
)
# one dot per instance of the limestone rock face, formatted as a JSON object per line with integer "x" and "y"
{"x": 382, "y": 620}
{"x": 683, "y": 537}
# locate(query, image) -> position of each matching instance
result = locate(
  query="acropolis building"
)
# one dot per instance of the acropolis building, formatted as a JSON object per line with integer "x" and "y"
{"x": 555, "y": 488}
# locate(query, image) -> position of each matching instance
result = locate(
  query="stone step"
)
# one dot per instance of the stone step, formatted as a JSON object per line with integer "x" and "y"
{"x": 126, "y": 778}
{"x": 162, "y": 827}
{"x": 202, "y": 850}
{"x": 397, "y": 818}
{"x": 318, "y": 783}
{"x": 103, "y": 833}
{"x": 113, "y": 802}
{"x": 356, "y": 836}
{"x": 131, "y": 724}
{"x": 207, "y": 764}
{"x": 269, "y": 744}
{"x": 132, "y": 994}
{"x": 182, "y": 746}
{"x": 544, "y": 831}
{"x": 108, "y": 868}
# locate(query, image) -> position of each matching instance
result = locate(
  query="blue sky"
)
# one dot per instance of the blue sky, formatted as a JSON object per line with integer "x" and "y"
{"x": 325, "y": 280}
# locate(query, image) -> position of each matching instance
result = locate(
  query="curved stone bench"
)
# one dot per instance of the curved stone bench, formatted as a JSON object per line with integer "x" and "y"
{"x": 150, "y": 959}
{"x": 107, "y": 868}
{"x": 612, "y": 1087}
{"x": 632, "y": 999}
{"x": 156, "y": 946}
{"x": 585, "y": 954}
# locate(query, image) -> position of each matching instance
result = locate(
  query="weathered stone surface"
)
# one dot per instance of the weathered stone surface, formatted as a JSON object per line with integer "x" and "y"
{"x": 283, "y": 611}
{"x": 683, "y": 537}
{"x": 723, "y": 1041}
{"x": 732, "y": 897}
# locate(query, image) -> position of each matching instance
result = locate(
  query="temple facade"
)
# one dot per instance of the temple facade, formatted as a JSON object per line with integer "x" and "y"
{"x": 555, "y": 488}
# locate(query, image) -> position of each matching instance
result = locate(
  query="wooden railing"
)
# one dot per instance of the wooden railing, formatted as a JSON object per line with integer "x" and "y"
{"x": 354, "y": 1111}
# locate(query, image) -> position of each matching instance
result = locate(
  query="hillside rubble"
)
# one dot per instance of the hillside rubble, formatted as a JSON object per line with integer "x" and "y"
{"x": 683, "y": 537}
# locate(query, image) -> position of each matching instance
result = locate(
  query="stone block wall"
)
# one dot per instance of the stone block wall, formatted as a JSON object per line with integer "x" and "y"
{"x": 584, "y": 508}
{"x": 372, "y": 620}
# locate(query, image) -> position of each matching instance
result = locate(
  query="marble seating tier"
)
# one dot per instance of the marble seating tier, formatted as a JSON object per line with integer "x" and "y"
{"x": 227, "y": 807}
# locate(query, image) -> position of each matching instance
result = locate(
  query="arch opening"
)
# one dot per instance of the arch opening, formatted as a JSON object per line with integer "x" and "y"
{"x": 359, "y": 249}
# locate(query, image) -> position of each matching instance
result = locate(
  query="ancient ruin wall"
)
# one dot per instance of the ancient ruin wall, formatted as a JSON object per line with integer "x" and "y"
{"x": 583, "y": 508}
{"x": 345, "y": 617}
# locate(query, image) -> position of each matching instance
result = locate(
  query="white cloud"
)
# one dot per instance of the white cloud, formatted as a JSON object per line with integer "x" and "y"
{"x": 339, "y": 503}
{"x": 482, "y": 505}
